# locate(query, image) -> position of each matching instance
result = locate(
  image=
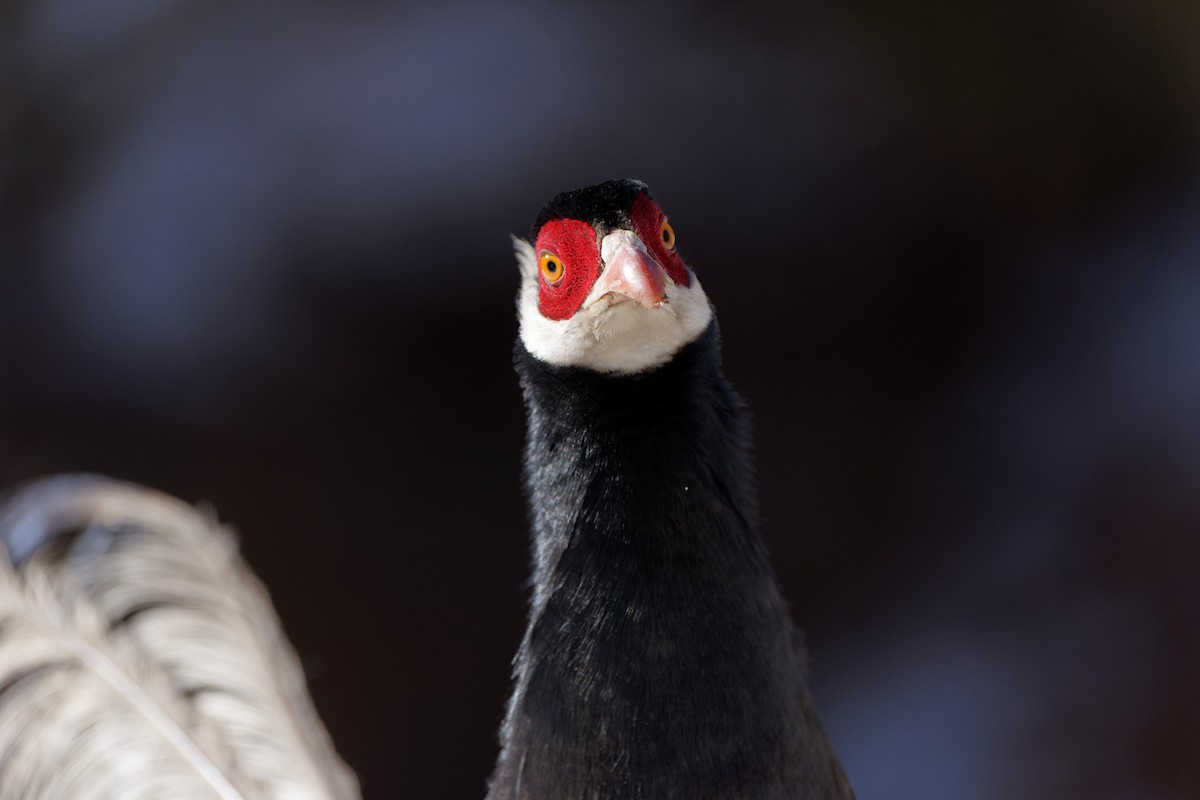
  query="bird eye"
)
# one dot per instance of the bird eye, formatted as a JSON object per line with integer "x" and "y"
{"x": 552, "y": 267}
{"x": 668, "y": 235}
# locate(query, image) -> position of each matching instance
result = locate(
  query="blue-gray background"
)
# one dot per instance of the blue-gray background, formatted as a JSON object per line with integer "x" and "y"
{"x": 256, "y": 253}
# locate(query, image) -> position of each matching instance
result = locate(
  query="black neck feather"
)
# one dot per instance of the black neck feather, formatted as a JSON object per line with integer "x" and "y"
{"x": 659, "y": 660}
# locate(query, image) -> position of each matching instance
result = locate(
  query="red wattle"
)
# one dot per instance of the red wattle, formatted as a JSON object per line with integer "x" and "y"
{"x": 647, "y": 220}
{"x": 574, "y": 242}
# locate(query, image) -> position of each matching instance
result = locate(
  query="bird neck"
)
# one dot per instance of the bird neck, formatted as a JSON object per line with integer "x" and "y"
{"x": 658, "y": 649}
{"x": 652, "y": 465}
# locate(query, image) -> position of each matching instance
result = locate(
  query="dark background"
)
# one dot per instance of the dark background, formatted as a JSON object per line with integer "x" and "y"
{"x": 257, "y": 254}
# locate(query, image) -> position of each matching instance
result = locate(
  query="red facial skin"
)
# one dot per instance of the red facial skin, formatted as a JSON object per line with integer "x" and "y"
{"x": 647, "y": 223}
{"x": 575, "y": 244}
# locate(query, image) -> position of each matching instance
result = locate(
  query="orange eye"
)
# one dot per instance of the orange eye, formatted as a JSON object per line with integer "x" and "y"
{"x": 668, "y": 235}
{"x": 552, "y": 267}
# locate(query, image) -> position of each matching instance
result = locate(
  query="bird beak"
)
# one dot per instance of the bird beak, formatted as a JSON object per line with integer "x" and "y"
{"x": 629, "y": 271}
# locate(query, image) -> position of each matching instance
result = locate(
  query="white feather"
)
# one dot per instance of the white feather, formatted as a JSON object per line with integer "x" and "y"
{"x": 605, "y": 336}
{"x": 142, "y": 659}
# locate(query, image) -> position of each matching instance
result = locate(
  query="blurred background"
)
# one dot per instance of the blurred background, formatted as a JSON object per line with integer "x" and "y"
{"x": 257, "y": 254}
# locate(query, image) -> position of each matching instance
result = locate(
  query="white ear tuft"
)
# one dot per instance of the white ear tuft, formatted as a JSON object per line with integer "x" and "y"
{"x": 526, "y": 257}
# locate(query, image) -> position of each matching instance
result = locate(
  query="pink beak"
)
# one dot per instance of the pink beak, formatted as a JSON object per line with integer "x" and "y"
{"x": 630, "y": 271}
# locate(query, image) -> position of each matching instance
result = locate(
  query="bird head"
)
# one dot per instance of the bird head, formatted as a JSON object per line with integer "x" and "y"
{"x": 603, "y": 285}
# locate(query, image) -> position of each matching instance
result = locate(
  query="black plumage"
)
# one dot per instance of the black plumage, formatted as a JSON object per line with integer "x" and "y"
{"x": 659, "y": 660}
{"x": 606, "y": 205}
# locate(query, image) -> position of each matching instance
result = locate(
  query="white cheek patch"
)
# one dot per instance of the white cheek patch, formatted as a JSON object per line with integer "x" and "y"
{"x": 623, "y": 337}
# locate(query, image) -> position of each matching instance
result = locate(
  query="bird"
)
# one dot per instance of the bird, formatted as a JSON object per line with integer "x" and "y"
{"x": 659, "y": 659}
{"x": 140, "y": 658}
